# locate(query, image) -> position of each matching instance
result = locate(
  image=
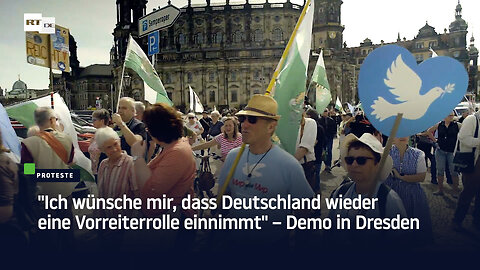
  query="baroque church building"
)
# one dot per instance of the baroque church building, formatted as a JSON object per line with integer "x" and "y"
{"x": 228, "y": 52}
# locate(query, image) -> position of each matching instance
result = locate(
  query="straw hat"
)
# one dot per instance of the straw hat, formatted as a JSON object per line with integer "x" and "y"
{"x": 261, "y": 105}
{"x": 373, "y": 143}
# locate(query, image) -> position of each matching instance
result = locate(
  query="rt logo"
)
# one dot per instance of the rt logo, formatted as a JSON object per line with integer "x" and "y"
{"x": 35, "y": 22}
{"x": 144, "y": 25}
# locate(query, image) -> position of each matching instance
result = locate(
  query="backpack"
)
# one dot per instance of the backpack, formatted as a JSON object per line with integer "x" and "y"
{"x": 382, "y": 194}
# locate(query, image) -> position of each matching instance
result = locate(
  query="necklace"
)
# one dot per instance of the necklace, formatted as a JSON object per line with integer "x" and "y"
{"x": 251, "y": 171}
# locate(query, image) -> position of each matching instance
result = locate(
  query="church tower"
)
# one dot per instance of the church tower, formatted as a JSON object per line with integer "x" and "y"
{"x": 327, "y": 27}
{"x": 458, "y": 36}
{"x": 128, "y": 13}
{"x": 473, "y": 66}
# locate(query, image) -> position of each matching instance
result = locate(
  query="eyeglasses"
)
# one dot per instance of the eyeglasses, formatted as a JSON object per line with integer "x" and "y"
{"x": 191, "y": 117}
{"x": 360, "y": 160}
{"x": 251, "y": 119}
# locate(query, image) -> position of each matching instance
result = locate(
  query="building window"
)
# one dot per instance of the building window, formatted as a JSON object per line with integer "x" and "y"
{"x": 432, "y": 44}
{"x": 189, "y": 77}
{"x": 211, "y": 76}
{"x": 237, "y": 36}
{"x": 233, "y": 76}
{"x": 256, "y": 91}
{"x": 364, "y": 52}
{"x": 212, "y": 96}
{"x": 182, "y": 39}
{"x": 277, "y": 34}
{"x": 198, "y": 38}
{"x": 170, "y": 95}
{"x": 256, "y": 75}
{"x": 217, "y": 37}
{"x": 234, "y": 96}
{"x": 258, "y": 35}
{"x": 168, "y": 78}
{"x": 419, "y": 57}
{"x": 419, "y": 45}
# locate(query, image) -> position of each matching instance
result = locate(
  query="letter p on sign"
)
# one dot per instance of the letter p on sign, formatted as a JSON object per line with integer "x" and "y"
{"x": 153, "y": 47}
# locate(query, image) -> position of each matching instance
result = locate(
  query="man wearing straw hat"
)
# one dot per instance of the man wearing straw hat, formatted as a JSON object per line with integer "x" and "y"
{"x": 264, "y": 170}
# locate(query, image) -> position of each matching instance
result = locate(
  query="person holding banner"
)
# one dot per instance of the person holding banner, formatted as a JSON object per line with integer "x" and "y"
{"x": 264, "y": 170}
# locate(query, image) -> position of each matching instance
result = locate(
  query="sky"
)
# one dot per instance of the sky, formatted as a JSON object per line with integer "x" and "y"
{"x": 91, "y": 22}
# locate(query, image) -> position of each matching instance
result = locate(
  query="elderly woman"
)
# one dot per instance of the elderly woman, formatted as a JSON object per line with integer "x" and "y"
{"x": 215, "y": 127}
{"x": 361, "y": 158}
{"x": 116, "y": 175}
{"x": 100, "y": 119}
{"x": 230, "y": 138}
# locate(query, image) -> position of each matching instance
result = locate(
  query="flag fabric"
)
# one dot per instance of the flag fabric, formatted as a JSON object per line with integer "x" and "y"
{"x": 434, "y": 54}
{"x": 320, "y": 82}
{"x": 9, "y": 137}
{"x": 136, "y": 60}
{"x": 23, "y": 113}
{"x": 214, "y": 108}
{"x": 351, "y": 108}
{"x": 151, "y": 95}
{"x": 338, "y": 105}
{"x": 289, "y": 86}
{"x": 195, "y": 104}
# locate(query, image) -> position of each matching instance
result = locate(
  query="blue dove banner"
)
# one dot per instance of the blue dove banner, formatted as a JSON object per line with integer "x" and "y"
{"x": 391, "y": 82}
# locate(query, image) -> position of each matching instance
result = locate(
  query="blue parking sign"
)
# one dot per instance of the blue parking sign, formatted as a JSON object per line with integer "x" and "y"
{"x": 153, "y": 47}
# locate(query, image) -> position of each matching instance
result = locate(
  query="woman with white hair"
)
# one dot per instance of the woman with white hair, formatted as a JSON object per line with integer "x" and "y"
{"x": 216, "y": 126}
{"x": 116, "y": 174}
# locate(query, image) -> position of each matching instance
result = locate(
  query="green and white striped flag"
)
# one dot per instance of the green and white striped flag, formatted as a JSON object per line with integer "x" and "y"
{"x": 23, "y": 113}
{"x": 137, "y": 60}
{"x": 338, "y": 105}
{"x": 289, "y": 88}
{"x": 322, "y": 88}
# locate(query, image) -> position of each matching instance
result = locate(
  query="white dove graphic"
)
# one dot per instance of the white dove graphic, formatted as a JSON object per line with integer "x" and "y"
{"x": 406, "y": 85}
{"x": 255, "y": 171}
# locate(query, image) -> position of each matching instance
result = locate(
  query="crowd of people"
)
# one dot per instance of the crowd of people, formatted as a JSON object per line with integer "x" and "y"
{"x": 147, "y": 152}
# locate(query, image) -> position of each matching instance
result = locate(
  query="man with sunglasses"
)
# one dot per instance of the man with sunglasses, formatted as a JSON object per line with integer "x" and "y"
{"x": 265, "y": 171}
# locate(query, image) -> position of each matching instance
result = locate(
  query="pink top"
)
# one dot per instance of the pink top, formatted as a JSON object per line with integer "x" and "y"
{"x": 173, "y": 172}
{"x": 226, "y": 145}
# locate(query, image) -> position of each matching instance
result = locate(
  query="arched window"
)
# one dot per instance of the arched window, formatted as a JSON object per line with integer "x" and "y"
{"x": 237, "y": 36}
{"x": 233, "y": 76}
{"x": 198, "y": 38}
{"x": 182, "y": 39}
{"x": 258, "y": 35}
{"x": 217, "y": 37}
{"x": 277, "y": 34}
{"x": 189, "y": 77}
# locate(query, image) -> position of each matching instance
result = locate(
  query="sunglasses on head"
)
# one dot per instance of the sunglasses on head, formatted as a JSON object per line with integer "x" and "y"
{"x": 251, "y": 119}
{"x": 360, "y": 160}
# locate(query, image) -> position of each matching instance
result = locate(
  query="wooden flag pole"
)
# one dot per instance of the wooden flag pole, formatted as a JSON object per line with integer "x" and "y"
{"x": 386, "y": 151}
{"x": 267, "y": 92}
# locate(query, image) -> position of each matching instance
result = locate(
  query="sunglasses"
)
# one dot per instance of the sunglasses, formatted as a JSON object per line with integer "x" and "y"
{"x": 251, "y": 119}
{"x": 360, "y": 160}
{"x": 190, "y": 117}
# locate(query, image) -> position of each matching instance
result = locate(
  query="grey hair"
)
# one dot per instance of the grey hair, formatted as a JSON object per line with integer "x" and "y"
{"x": 32, "y": 131}
{"x": 104, "y": 134}
{"x": 42, "y": 115}
{"x": 215, "y": 113}
{"x": 139, "y": 107}
{"x": 130, "y": 101}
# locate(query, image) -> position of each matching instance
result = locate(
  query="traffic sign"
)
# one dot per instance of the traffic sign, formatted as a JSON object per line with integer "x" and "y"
{"x": 157, "y": 20}
{"x": 153, "y": 47}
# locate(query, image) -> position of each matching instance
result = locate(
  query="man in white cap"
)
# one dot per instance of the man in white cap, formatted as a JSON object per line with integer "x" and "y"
{"x": 265, "y": 171}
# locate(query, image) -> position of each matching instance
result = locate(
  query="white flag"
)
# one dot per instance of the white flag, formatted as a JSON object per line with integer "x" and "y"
{"x": 434, "y": 54}
{"x": 195, "y": 104}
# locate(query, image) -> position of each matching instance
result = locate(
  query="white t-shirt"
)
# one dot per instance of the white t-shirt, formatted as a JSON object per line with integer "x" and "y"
{"x": 308, "y": 139}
